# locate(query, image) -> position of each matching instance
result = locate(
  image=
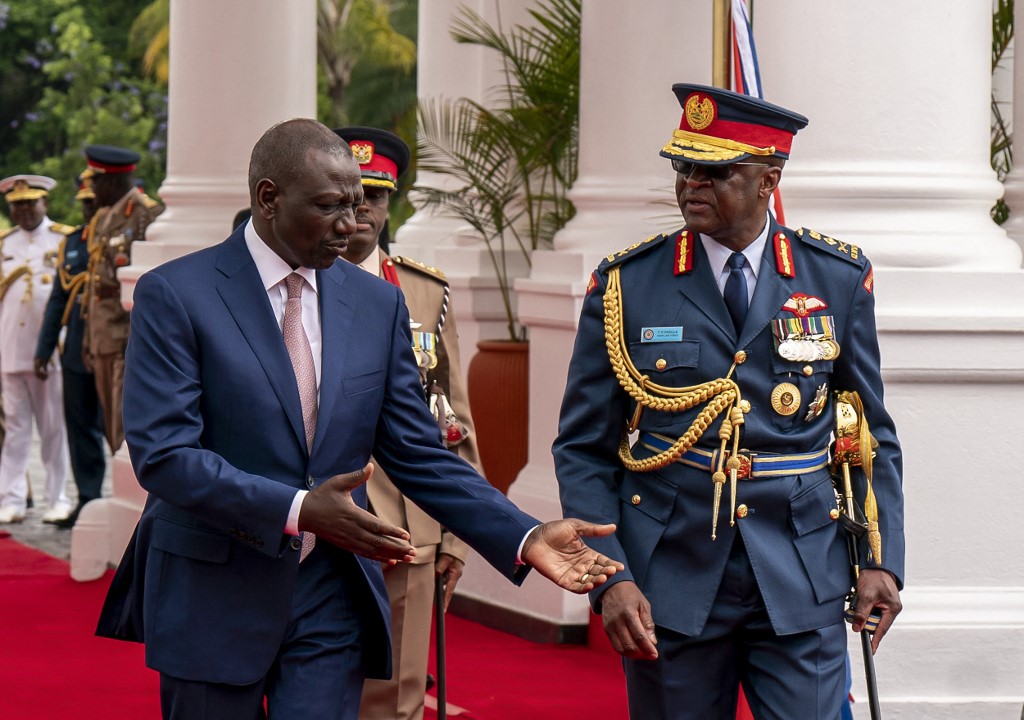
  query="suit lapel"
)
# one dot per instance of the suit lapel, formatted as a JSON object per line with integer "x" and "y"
{"x": 700, "y": 287}
{"x": 770, "y": 293}
{"x": 243, "y": 293}
{"x": 336, "y": 317}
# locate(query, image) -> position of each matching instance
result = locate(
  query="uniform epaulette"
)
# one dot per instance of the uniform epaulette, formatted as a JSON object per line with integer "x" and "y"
{"x": 632, "y": 251}
{"x": 148, "y": 201}
{"x": 63, "y": 229}
{"x": 8, "y": 231}
{"x": 847, "y": 251}
{"x": 428, "y": 270}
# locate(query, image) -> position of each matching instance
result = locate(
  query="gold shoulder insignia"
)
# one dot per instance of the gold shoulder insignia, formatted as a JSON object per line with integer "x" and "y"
{"x": 848, "y": 251}
{"x": 63, "y": 229}
{"x": 148, "y": 201}
{"x": 632, "y": 251}
{"x": 416, "y": 265}
{"x": 8, "y": 231}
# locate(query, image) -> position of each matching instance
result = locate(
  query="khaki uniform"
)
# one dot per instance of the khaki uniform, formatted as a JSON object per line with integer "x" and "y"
{"x": 111, "y": 234}
{"x": 410, "y": 586}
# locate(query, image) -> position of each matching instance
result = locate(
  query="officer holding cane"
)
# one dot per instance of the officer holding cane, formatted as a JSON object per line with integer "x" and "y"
{"x": 719, "y": 345}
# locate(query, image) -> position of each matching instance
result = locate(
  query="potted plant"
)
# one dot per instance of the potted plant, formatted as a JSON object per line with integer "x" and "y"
{"x": 509, "y": 167}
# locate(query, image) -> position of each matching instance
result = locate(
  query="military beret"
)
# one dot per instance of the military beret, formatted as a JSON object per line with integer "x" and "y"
{"x": 721, "y": 126}
{"x": 110, "y": 159}
{"x": 26, "y": 187}
{"x": 382, "y": 156}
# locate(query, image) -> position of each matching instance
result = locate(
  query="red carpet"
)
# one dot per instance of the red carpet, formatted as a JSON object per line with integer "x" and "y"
{"x": 51, "y": 665}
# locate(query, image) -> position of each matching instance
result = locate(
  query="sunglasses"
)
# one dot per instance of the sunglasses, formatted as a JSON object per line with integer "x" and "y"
{"x": 711, "y": 172}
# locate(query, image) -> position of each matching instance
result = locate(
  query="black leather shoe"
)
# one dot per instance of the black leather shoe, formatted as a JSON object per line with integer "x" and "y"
{"x": 69, "y": 522}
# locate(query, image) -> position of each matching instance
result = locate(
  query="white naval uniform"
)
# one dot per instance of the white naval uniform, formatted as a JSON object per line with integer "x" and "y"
{"x": 24, "y": 395}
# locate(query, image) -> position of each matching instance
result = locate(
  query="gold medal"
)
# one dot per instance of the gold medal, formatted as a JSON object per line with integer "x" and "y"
{"x": 786, "y": 399}
{"x": 829, "y": 349}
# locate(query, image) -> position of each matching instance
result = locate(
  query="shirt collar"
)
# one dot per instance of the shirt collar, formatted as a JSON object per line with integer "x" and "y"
{"x": 371, "y": 263}
{"x": 272, "y": 269}
{"x": 718, "y": 254}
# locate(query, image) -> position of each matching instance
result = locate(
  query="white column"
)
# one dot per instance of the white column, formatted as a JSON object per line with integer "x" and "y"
{"x": 447, "y": 70}
{"x": 237, "y": 67}
{"x": 623, "y": 194}
{"x": 896, "y": 159}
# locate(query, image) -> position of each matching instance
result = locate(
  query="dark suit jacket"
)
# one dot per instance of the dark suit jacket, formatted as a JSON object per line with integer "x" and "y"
{"x": 75, "y": 261}
{"x": 797, "y": 549}
{"x": 214, "y": 426}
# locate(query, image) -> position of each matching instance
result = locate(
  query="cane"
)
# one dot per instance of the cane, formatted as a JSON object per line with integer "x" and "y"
{"x": 850, "y": 436}
{"x": 442, "y": 701}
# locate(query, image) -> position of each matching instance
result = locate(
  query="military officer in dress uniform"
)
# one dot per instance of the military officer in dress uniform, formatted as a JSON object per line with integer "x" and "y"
{"x": 123, "y": 216}
{"x": 82, "y": 414}
{"x": 382, "y": 158}
{"x": 29, "y": 253}
{"x": 720, "y": 346}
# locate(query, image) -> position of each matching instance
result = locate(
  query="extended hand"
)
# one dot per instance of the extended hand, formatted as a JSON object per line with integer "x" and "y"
{"x": 876, "y": 589}
{"x": 39, "y": 365}
{"x": 450, "y": 568}
{"x": 332, "y": 515}
{"x": 628, "y": 622}
{"x": 556, "y": 549}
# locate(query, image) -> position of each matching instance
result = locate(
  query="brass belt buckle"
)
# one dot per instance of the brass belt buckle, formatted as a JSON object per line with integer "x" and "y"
{"x": 743, "y": 471}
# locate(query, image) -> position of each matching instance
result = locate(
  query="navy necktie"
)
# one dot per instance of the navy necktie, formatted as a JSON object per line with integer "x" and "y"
{"x": 736, "y": 291}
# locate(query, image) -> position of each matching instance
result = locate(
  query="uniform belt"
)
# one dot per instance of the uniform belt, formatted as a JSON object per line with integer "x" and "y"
{"x": 753, "y": 465}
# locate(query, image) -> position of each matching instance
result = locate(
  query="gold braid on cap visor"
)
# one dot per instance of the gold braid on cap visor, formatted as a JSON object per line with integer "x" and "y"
{"x": 693, "y": 146}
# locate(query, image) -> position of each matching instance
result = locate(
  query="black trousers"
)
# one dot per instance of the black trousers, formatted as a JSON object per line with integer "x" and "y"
{"x": 84, "y": 420}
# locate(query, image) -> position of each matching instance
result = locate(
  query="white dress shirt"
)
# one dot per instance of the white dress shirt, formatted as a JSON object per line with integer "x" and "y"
{"x": 719, "y": 254}
{"x": 273, "y": 271}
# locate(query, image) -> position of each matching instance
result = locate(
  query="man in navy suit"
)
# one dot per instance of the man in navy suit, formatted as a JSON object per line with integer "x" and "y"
{"x": 720, "y": 345}
{"x": 247, "y": 470}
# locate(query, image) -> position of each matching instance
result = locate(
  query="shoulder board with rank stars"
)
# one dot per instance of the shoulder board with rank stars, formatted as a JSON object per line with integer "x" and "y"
{"x": 416, "y": 265}
{"x": 632, "y": 251}
{"x": 63, "y": 229}
{"x": 847, "y": 251}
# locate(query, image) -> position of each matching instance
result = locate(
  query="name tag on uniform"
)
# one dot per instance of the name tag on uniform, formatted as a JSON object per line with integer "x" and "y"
{"x": 661, "y": 334}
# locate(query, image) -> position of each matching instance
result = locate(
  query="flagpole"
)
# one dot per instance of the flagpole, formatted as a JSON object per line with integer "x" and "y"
{"x": 721, "y": 66}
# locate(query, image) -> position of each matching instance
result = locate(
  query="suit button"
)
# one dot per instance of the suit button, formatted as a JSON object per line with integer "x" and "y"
{"x": 635, "y": 499}
{"x": 741, "y": 511}
{"x": 310, "y": 482}
{"x": 833, "y": 513}
{"x": 296, "y": 543}
{"x": 808, "y": 370}
{"x": 661, "y": 364}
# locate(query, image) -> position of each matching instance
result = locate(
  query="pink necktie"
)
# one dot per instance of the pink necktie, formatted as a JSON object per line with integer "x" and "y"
{"x": 297, "y": 344}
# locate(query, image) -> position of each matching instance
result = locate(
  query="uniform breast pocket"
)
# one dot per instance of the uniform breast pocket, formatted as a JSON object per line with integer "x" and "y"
{"x": 799, "y": 391}
{"x": 672, "y": 364}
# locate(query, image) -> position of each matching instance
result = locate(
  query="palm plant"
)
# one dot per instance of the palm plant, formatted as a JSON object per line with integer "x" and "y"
{"x": 1001, "y": 138}
{"x": 511, "y": 164}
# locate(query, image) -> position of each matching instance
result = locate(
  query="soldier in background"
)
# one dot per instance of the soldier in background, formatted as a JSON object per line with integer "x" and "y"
{"x": 82, "y": 414}
{"x": 382, "y": 158}
{"x": 28, "y": 255}
{"x": 123, "y": 216}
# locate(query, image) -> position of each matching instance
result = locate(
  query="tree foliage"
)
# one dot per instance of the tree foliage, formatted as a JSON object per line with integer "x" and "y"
{"x": 73, "y": 90}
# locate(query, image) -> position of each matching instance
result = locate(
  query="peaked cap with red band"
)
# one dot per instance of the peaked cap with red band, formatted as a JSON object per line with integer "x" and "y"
{"x": 107, "y": 159}
{"x": 719, "y": 126}
{"x": 382, "y": 156}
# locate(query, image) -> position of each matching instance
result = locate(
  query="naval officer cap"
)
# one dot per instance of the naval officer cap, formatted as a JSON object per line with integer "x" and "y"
{"x": 26, "y": 187}
{"x": 382, "y": 156}
{"x": 108, "y": 159}
{"x": 720, "y": 126}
